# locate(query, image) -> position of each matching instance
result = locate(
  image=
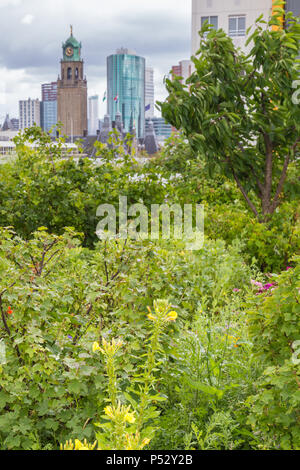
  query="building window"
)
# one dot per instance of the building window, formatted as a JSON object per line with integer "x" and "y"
{"x": 69, "y": 76}
{"x": 237, "y": 26}
{"x": 212, "y": 20}
{"x": 76, "y": 73}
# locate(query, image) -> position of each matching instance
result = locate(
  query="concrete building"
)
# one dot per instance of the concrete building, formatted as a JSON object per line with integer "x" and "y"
{"x": 49, "y": 91}
{"x": 149, "y": 93}
{"x": 7, "y": 135}
{"x": 183, "y": 69}
{"x": 15, "y": 124}
{"x": 93, "y": 114}
{"x": 29, "y": 113}
{"x": 294, "y": 6}
{"x": 151, "y": 141}
{"x": 72, "y": 91}
{"x": 126, "y": 89}
{"x": 233, "y": 16}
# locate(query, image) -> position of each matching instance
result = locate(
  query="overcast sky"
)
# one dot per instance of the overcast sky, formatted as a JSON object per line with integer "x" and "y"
{"x": 32, "y": 32}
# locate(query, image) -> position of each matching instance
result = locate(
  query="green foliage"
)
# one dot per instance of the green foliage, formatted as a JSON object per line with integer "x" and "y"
{"x": 237, "y": 110}
{"x": 208, "y": 381}
{"x": 274, "y": 326}
{"x": 40, "y": 188}
{"x": 63, "y": 297}
{"x": 228, "y": 379}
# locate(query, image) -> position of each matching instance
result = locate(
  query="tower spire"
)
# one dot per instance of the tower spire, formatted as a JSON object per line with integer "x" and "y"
{"x": 71, "y": 28}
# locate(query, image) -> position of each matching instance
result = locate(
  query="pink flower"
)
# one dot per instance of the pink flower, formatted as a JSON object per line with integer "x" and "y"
{"x": 289, "y": 267}
{"x": 236, "y": 290}
{"x": 268, "y": 286}
{"x": 256, "y": 284}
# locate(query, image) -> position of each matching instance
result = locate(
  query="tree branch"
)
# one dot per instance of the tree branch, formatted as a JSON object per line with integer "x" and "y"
{"x": 243, "y": 191}
{"x": 283, "y": 176}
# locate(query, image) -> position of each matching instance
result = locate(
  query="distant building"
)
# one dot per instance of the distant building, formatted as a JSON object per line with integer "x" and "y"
{"x": 7, "y": 125}
{"x": 149, "y": 93}
{"x": 72, "y": 91}
{"x": 7, "y": 135}
{"x": 49, "y": 106}
{"x": 126, "y": 90}
{"x": 49, "y": 91}
{"x": 15, "y": 124}
{"x": 233, "y": 16}
{"x": 93, "y": 114}
{"x": 29, "y": 113}
{"x": 162, "y": 129}
{"x": 10, "y": 124}
{"x": 183, "y": 69}
{"x": 151, "y": 141}
{"x": 49, "y": 116}
{"x": 106, "y": 129}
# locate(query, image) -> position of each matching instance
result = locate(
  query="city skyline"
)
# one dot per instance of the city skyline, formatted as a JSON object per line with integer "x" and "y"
{"x": 29, "y": 57}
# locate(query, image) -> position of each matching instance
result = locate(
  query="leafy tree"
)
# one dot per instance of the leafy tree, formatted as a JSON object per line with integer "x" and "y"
{"x": 238, "y": 110}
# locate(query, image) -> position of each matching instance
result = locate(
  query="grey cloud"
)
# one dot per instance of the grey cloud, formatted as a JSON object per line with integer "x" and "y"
{"x": 162, "y": 36}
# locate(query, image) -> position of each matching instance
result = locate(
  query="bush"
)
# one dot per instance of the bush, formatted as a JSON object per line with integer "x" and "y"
{"x": 274, "y": 326}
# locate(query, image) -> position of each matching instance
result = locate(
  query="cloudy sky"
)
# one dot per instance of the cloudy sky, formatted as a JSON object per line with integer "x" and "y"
{"x": 32, "y": 32}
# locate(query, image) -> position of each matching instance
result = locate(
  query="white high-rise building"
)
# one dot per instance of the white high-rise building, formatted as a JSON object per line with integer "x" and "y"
{"x": 93, "y": 114}
{"x": 29, "y": 113}
{"x": 149, "y": 92}
{"x": 233, "y": 16}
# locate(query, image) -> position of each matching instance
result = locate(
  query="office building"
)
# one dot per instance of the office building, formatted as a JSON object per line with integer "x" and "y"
{"x": 162, "y": 129}
{"x": 149, "y": 93}
{"x": 126, "y": 90}
{"x": 93, "y": 114}
{"x": 29, "y": 113}
{"x": 72, "y": 91}
{"x": 14, "y": 124}
{"x": 49, "y": 107}
{"x": 49, "y": 91}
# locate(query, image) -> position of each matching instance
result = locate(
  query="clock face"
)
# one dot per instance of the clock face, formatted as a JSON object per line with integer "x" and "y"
{"x": 69, "y": 51}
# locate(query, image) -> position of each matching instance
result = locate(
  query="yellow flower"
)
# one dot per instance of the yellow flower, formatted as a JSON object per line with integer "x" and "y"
{"x": 120, "y": 414}
{"x": 145, "y": 442}
{"x": 78, "y": 445}
{"x": 129, "y": 417}
{"x": 133, "y": 442}
{"x": 109, "y": 412}
{"x": 96, "y": 347}
{"x": 108, "y": 349}
{"x": 171, "y": 316}
{"x": 151, "y": 317}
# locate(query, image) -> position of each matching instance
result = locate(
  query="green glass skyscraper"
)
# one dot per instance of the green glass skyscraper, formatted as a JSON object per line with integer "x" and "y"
{"x": 126, "y": 89}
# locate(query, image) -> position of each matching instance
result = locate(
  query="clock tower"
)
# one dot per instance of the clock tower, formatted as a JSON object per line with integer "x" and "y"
{"x": 72, "y": 91}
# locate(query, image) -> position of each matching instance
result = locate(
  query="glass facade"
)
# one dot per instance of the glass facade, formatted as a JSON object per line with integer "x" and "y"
{"x": 126, "y": 91}
{"x": 48, "y": 115}
{"x": 162, "y": 129}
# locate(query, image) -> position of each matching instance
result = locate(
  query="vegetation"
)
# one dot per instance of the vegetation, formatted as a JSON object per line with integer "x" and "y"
{"x": 236, "y": 109}
{"x": 142, "y": 344}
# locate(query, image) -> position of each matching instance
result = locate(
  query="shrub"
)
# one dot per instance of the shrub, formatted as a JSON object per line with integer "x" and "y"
{"x": 274, "y": 326}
